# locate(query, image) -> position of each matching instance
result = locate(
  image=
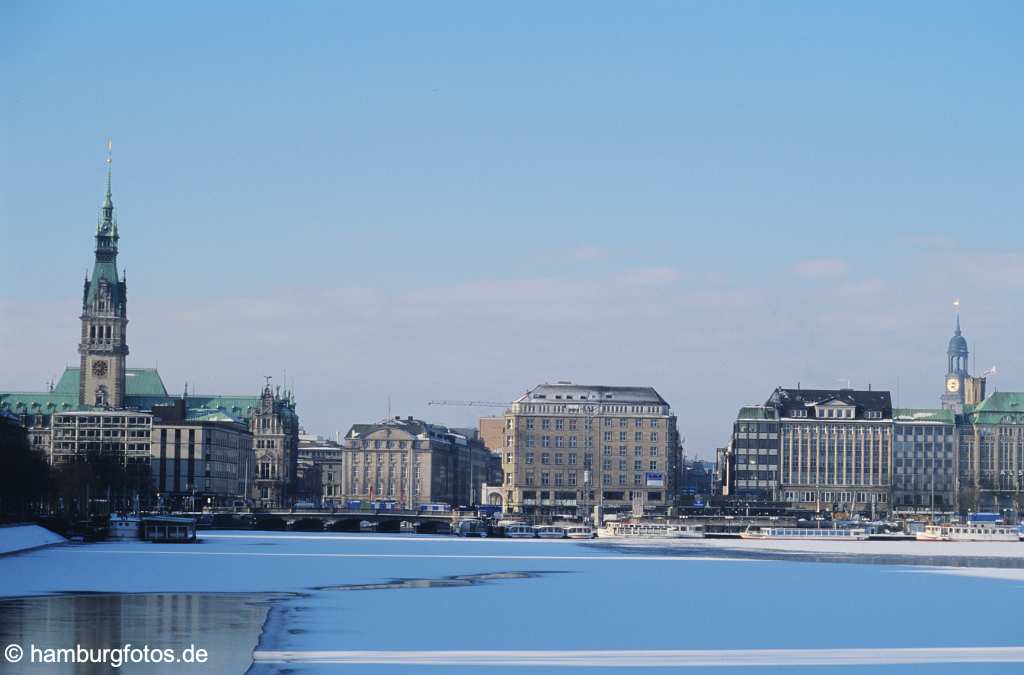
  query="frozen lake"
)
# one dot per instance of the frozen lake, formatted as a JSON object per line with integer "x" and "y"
{"x": 306, "y": 602}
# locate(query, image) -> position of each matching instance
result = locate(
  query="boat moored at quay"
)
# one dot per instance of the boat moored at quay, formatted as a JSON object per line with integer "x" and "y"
{"x": 519, "y": 531}
{"x": 579, "y": 532}
{"x": 550, "y": 532}
{"x": 807, "y": 533}
{"x": 641, "y": 530}
{"x": 969, "y": 532}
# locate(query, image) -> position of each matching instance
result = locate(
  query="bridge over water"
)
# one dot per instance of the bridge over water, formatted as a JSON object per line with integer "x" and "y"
{"x": 422, "y": 522}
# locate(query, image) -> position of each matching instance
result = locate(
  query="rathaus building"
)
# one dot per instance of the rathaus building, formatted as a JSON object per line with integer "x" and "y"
{"x": 210, "y": 448}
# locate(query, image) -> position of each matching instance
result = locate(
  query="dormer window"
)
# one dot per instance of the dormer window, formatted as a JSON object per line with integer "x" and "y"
{"x": 798, "y": 412}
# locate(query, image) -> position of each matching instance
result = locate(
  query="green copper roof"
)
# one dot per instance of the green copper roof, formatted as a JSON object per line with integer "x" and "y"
{"x": 144, "y": 389}
{"x": 207, "y": 415}
{"x": 933, "y": 415}
{"x": 1002, "y": 401}
{"x": 235, "y": 406}
{"x": 144, "y": 382}
{"x": 1001, "y": 407}
{"x": 38, "y": 402}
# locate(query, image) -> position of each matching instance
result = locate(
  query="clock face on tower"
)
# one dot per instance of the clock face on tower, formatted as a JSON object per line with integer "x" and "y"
{"x": 953, "y": 385}
{"x": 99, "y": 368}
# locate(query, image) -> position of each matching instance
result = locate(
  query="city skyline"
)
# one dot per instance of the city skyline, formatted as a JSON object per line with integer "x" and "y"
{"x": 414, "y": 243}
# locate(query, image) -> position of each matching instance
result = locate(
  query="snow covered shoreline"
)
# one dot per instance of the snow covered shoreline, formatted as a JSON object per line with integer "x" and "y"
{"x": 18, "y": 538}
{"x": 981, "y": 549}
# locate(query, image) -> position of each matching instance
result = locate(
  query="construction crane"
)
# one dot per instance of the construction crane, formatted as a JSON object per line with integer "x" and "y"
{"x": 482, "y": 404}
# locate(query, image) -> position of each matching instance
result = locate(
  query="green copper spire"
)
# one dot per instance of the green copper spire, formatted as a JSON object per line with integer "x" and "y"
{"x": 105, "y": 268}
{"x": 107, "y": 225}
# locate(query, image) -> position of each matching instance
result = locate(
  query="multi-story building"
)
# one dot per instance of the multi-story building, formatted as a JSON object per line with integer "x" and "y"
{"x": 835, "y": 448}
{"x": 412, "y": 462}
{"x": 124, "y": 434}
{"x": 321, "y": 458}
{"x": 275, "y": 430}
{"x": 104, "y": 407}
{"x": 199, "y": 457}
{"x": 753, "y": 454}
{"x": 569, "y": 448}
{"x": 991, "y": 454}
{"x": 924, "y": 460}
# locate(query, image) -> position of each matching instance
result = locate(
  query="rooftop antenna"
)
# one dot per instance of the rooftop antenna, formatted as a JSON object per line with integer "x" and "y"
{"x": 389, "y": 406}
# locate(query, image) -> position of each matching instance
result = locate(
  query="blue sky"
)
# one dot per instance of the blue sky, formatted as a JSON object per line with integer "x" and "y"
{"x": 460, "y": 200}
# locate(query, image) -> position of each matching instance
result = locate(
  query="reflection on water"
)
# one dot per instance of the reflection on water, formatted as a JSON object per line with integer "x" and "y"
{"x": 443, "y": 582}
{"x": 226, "y": 626}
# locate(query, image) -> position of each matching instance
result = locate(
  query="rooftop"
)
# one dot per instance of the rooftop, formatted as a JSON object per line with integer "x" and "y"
{"x": 567, "y": 391}
{"x": 870, "y": 399}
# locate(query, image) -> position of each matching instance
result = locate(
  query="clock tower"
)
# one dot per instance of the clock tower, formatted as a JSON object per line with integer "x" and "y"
{"x": 103, "y": 347}
{"x": 956, "y": 372}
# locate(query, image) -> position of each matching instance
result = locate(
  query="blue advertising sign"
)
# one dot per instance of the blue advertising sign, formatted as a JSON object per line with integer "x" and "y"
{"x": 655, "y": 479}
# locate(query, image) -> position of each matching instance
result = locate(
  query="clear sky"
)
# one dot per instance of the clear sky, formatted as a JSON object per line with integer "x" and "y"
{"x": 462, "y": 200}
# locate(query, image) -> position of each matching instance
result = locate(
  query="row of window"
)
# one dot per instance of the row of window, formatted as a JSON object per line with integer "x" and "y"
{"x": 835, "y": 497}
{"x": 570, "y": 478}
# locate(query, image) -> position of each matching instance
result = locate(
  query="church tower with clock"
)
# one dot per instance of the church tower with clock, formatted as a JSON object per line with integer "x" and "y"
{"x": 957, "y": 377}
{"x": 103, "y": 345}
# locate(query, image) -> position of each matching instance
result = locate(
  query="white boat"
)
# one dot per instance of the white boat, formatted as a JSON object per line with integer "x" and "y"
{"x": 550, "y": 532}
{"x": 519, "y": 531}
{"x": 124, "y": 527}
{"x": 579, "y": 532}
{"x": 825, "y": 534}
{"x": 651, "y": 531}
{"x": 969, "y": 532}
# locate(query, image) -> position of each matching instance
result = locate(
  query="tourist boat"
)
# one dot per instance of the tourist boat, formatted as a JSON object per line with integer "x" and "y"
{"x": 826, "y": 534}
{"x": 471, "y": 527}
{"x": 550, "y": 532}
{"x": 579, "y": 532}
{"x": 520, "y": 531}
{"x": 633, "y": 530}
{"x": 168, "y": 529}
{"x": 124, "y": 527}
{"x": 969, "y": 532}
